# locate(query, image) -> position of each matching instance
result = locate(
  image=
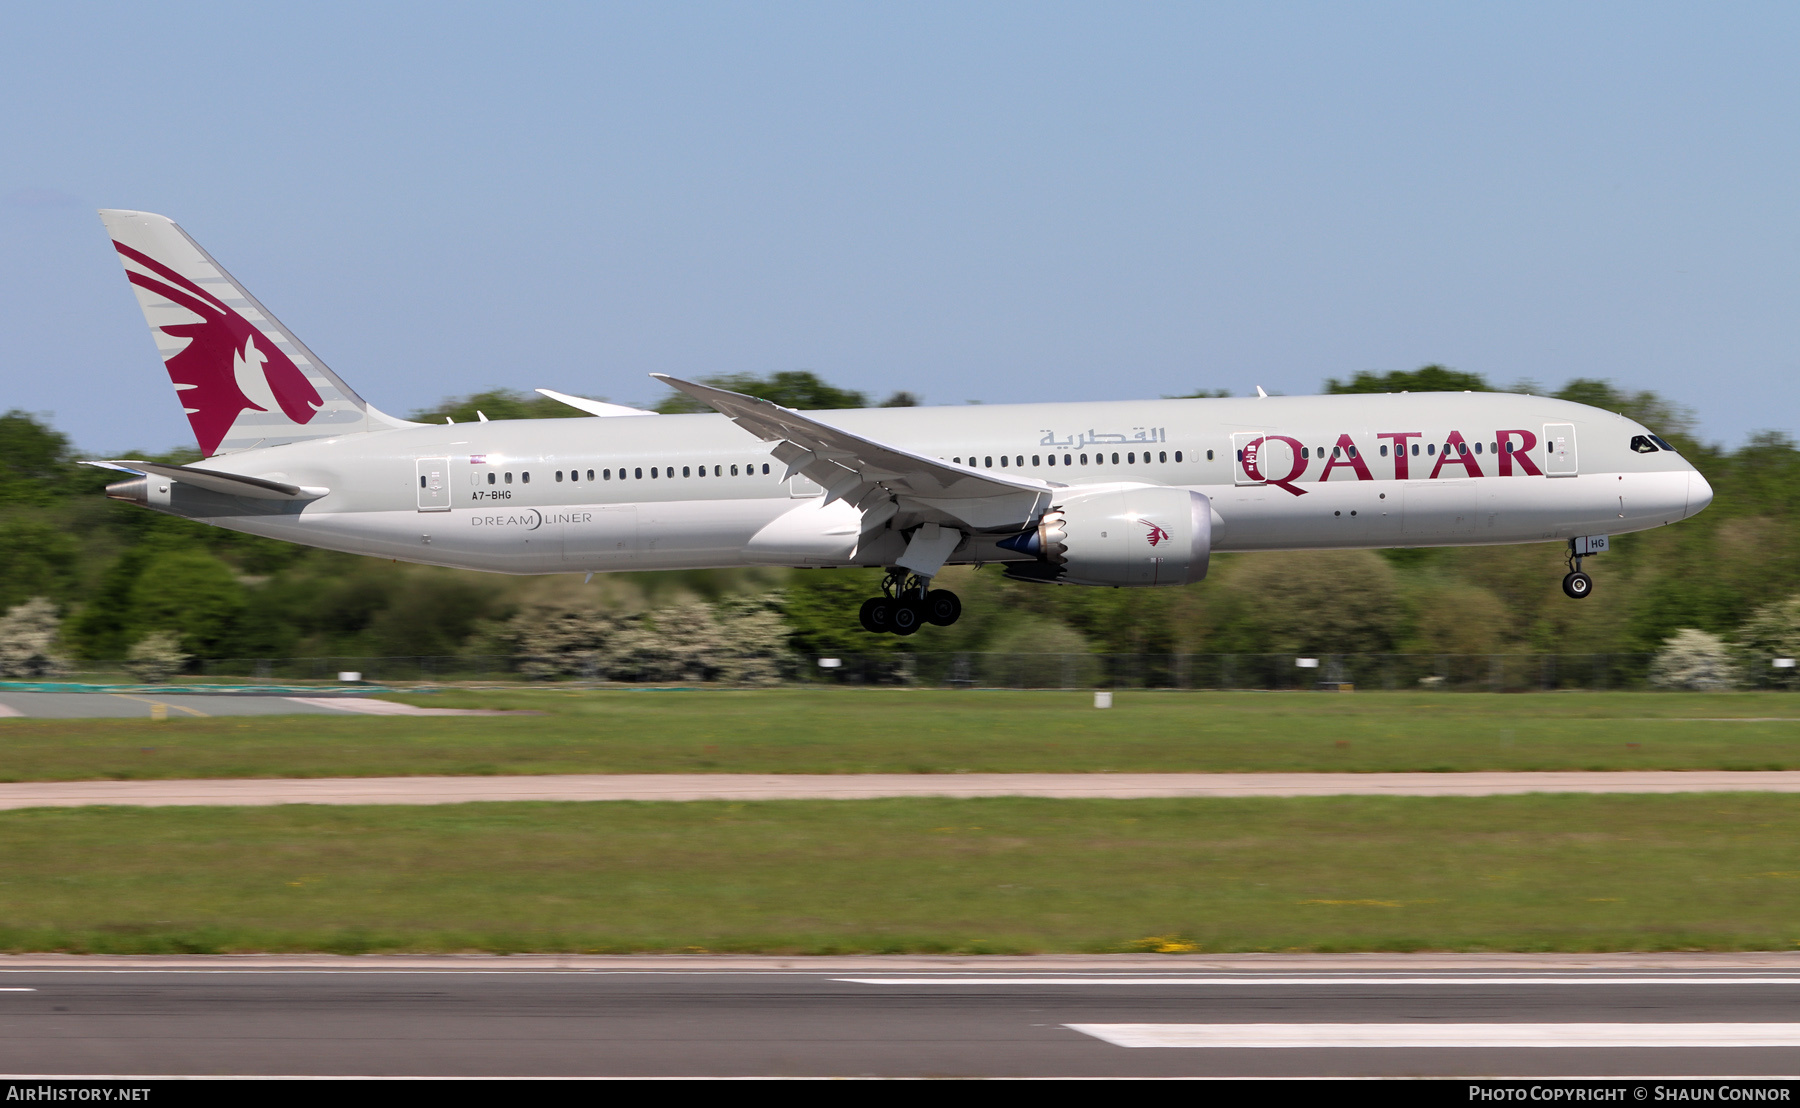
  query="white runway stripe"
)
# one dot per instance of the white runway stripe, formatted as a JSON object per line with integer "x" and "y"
{"x": 1318, "y": 1036}
{"x": 1265, "y": 981}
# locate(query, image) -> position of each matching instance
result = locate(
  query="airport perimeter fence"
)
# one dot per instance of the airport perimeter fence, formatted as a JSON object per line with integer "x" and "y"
{"x": 1445, "y": 672}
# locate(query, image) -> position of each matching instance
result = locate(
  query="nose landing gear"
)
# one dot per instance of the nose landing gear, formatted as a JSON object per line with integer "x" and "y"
{"x": 1576, "y": 584}
{"x": 908, "y": 602}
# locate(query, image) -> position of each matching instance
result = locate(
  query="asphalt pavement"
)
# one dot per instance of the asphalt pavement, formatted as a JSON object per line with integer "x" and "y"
{"x": 217, "y": 792}
{"x": 885, "y": 1018}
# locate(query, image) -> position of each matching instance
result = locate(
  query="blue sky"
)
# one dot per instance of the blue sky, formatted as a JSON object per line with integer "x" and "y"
{"x": 990, "y": 202}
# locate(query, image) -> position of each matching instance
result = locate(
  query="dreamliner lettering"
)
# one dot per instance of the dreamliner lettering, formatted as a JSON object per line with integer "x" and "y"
{"x": 530, "y": 519}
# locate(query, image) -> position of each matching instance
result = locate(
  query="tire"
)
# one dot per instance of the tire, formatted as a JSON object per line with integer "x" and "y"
{"x": 877, "y": 614}
{"x": 906, "y": 617}
{"x": 1578, "y": 585}
{"x": 942, "y": 607}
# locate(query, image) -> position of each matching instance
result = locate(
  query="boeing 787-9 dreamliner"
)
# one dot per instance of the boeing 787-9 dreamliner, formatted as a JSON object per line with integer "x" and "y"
{"x": 1123, "y": 494}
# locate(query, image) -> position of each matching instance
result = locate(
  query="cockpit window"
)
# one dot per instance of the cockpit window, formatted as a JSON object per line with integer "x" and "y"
{"x": 1664, "y": 443}
{"x": 1643, "y": 444}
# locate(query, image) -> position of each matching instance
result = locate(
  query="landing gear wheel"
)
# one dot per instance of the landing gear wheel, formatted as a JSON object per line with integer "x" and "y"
{"x": 906, "y": 617}
{"x": 942, "y": 607}
{"x": 1578, "y": 585}
{"x": 877, "y": 615}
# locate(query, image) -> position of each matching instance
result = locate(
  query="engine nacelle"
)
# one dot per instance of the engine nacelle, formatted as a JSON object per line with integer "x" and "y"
{"x": 1138, "y": 536}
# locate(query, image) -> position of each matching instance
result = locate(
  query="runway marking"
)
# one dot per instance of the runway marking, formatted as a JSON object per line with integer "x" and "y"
{"x": 1321, "y": 981}
{"x": 372, "y": 707}
{"x": 16, "y": 990}
{"x": 9, "y": 712}
{"x": 164, "y": 704}
{"x": 1336, "y": 1036}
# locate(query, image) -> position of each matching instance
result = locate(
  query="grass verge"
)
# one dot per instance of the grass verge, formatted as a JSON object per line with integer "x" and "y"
{"x": 901, "y": 731}
{"x": 1574, "y": 873}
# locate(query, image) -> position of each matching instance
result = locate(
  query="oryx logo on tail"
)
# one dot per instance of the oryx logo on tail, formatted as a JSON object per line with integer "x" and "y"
{"x": 227, "y": 366}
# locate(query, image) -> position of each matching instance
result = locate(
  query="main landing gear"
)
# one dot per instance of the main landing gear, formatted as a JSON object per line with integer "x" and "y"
{"x": 908, "y": 602}
{"x": 1576, "y": 584}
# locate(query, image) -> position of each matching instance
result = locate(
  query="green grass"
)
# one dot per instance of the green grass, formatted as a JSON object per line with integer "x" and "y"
{"x": 1573, "y": 873}
{"x": 900, "y": 731}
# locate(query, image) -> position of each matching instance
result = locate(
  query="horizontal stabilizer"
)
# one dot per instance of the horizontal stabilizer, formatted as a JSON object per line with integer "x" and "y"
{"x": 231, "y": 484}
{"x": 594, "y": 407}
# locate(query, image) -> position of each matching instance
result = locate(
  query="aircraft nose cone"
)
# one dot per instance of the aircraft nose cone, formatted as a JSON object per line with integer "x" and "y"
{"x": 1700, "y": 494}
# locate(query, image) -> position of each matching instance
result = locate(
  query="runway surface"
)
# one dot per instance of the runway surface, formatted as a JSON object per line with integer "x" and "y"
{"x": 758, "y": 786}
{"x": 759, "y": 1017}
{"x": 121, "y": 705}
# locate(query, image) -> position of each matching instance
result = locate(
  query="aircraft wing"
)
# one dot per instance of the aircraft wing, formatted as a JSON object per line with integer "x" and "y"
{"x": 873, "y": 475}
{"x": 232, "y": 484}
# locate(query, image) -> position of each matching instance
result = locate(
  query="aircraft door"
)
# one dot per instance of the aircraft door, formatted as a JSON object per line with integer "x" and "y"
{"x": 1254, "y": 442}
{"x": 1559, "y": 450}
{"x": 434, "y": 484}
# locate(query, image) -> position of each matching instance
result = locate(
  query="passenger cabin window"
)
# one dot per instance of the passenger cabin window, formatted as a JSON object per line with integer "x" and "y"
{"x": 1642, "y": 444}
{"x": 1178, "y": 455}
{"x": 525, "y": 477}
{"x": 490, "y": 477}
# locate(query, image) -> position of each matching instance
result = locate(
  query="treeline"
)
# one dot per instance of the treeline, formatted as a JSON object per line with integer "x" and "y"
{"x": 116, "y": 574}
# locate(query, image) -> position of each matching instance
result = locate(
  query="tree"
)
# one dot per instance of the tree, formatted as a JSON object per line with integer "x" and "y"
{"x": 735, "y": 640}
{"x": 1772, "y": 631}
{"x": 156, "y": 657}
{"x": 1695, "y": 661}
{"x": 821, "y": 607}
{"x": 27, "y": 632}
{"x": 34, "y": 459}
{"x": 1645, "y": 406}
{"x": 800, "y": 389}
{"x": 1312, "y": 602}
{"x": 1427, "y": 378}
{"x": 191, "y": 593}
{"x": 1036, "y": 652}
{"x": 36, "y": 559}
{"x": 902, "y": 399}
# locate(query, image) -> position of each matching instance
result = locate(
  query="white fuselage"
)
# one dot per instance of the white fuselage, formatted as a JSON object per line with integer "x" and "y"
{"x": 697, "y": 491}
